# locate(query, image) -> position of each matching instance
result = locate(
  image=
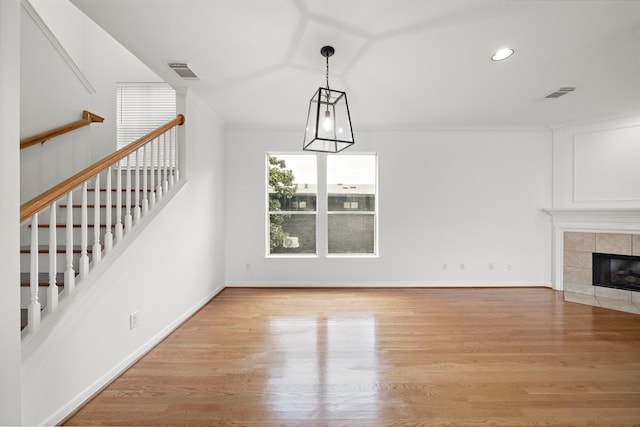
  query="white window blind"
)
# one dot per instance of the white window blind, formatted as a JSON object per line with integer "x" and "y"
{"x": 141, "y": 108}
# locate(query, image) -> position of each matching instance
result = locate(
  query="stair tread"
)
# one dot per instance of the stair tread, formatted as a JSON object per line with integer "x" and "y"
{"x": 43, "y": 279}
{"x": 104, "y": 190}
{"x": 91, "y": 206}
{"x": 65, "y": 225}
{"x": 61, "y": 249}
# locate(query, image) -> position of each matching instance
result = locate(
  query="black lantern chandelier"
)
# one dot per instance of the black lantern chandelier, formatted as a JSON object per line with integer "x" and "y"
{"x": 328, "y": 120}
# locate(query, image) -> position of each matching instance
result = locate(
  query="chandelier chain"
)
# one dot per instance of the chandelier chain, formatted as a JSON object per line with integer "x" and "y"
{"x": 327, "y": 58}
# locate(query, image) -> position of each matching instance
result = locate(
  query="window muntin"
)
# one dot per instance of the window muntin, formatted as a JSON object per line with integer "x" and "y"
{"x": 292, "y": 203}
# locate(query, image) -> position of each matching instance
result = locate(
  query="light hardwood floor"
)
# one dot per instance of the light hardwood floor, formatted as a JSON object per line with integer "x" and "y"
{"x": 385, "y": 357}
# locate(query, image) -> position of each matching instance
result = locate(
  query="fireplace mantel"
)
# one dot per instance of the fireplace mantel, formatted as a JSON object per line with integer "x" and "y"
{"x": 605, "y": 220}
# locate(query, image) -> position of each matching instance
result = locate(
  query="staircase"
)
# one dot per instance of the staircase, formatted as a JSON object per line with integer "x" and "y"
{"x": 61, "y": 257}
{"x": 123, "y": 188}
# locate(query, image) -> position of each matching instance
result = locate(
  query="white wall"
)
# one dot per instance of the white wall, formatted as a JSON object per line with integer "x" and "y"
{"x": 173, "y": 267}
{"x": 10, "y": 380}
{"x": 471, "y": 197}
{"x": 596, "y": 165}
{"x": 52, "y": 94}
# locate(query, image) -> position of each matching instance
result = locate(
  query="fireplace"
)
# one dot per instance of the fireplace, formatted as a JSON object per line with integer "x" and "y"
{"x": 616, "y": 271}
{"x": 577, "y": 234}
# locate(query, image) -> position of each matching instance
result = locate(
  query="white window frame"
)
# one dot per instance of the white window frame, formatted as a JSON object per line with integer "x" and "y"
{"x": 322, "y": 213}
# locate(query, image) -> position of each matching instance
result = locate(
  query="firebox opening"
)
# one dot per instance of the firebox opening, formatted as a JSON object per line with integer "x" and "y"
{"x": 616, "y": 271}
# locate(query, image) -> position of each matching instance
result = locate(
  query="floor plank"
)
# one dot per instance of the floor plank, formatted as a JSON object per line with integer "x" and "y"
{"x": 385, "y": 357}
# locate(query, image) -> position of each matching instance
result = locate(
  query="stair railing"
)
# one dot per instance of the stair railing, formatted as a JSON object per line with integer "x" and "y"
{"x": 87, "y": 119}
{"x": 152, "y": 157}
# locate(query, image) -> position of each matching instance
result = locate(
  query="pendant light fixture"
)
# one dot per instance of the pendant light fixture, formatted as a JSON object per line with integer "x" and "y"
{"x": 328, "y": 121}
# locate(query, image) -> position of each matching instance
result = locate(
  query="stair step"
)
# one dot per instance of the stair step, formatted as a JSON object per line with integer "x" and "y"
{"x": 60, "y": 249}
{"x": 91, "y": 206}
{"x": 43, "y": 279}
{"x": 65, "y": 226}
{"x": 115, "y": 190}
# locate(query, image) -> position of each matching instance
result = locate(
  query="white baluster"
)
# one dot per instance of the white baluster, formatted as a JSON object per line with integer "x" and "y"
{"x": 52, "y": 290}
{"x": 119, "y": 204}
{"x": 145, "y": 200}
{"x": 177, "y": 154}
{"x": 128, "y": 219}
{"x": 159, "y": 166}
{"x": 136, "y": 209}
{"x": 108, "y": 236}
{"x": 69, "y": 273}
{"x": 33, "y": 310}
{"x": 97, "y": 249}
{"x": 84, "y": 256}
{"x": 165, "y": 158}
{"x": 152, "y": 174}
{"x": 172, "y": 158}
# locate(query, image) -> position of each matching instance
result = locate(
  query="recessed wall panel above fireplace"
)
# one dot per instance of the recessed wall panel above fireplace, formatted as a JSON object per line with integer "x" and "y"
{"x": 606, "y": 165}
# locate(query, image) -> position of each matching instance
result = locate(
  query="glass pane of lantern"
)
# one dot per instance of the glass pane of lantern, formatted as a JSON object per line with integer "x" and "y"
{"x": 328, "y": 122}
{"x": 312, "y": 115}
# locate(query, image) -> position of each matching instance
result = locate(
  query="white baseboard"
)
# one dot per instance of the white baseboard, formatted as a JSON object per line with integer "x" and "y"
{"x": 393, "y": 285}
{"x": 125, "y": 364}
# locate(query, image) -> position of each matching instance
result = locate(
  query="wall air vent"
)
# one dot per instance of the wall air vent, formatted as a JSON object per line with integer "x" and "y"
{"x": 183, "y": 70}
{"x": 560, "y": 92}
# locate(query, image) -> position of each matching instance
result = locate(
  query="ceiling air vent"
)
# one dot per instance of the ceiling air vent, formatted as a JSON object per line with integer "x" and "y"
{"x": 560, "y": 92}
{"x": 183, "y": 70}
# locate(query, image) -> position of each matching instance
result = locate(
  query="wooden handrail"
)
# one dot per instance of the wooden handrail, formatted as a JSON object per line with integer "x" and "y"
{"x": 87, "y": 118}
{"x": 45, "y": 199}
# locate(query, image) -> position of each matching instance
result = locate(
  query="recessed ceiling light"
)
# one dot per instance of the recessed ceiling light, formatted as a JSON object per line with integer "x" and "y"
{"x": 502, "y": 54}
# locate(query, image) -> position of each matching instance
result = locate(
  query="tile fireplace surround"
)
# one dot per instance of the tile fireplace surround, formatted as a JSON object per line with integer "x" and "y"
{"x": 578, "y": 233}
{"x": 577, "y": 260}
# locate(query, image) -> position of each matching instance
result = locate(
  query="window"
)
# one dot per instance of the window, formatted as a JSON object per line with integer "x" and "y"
{"x": 351, "y": 195}
{"x": 292, "y": 184}
{"x": 347, "y": 204}
{"x": 141, "y": 108}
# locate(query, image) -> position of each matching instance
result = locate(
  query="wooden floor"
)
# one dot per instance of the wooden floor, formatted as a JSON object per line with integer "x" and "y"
{"x": 385, "y": 357}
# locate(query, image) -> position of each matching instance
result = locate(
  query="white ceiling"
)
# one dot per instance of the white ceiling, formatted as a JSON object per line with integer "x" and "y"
{"x": 403, "y": 63}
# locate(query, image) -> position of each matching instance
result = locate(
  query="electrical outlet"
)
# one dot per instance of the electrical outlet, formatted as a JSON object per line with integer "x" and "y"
{"x": 461, "y": 266}
{"x": 247, "y": 266}
{"x": 133, "y": 319}
{"x": 491, "y": 266}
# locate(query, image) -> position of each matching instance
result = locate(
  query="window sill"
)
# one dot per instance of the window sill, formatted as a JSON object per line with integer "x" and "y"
{"x": 351, "y": 256}
{"x": 291, "y": 256}
{"x": 314, "y": 256}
